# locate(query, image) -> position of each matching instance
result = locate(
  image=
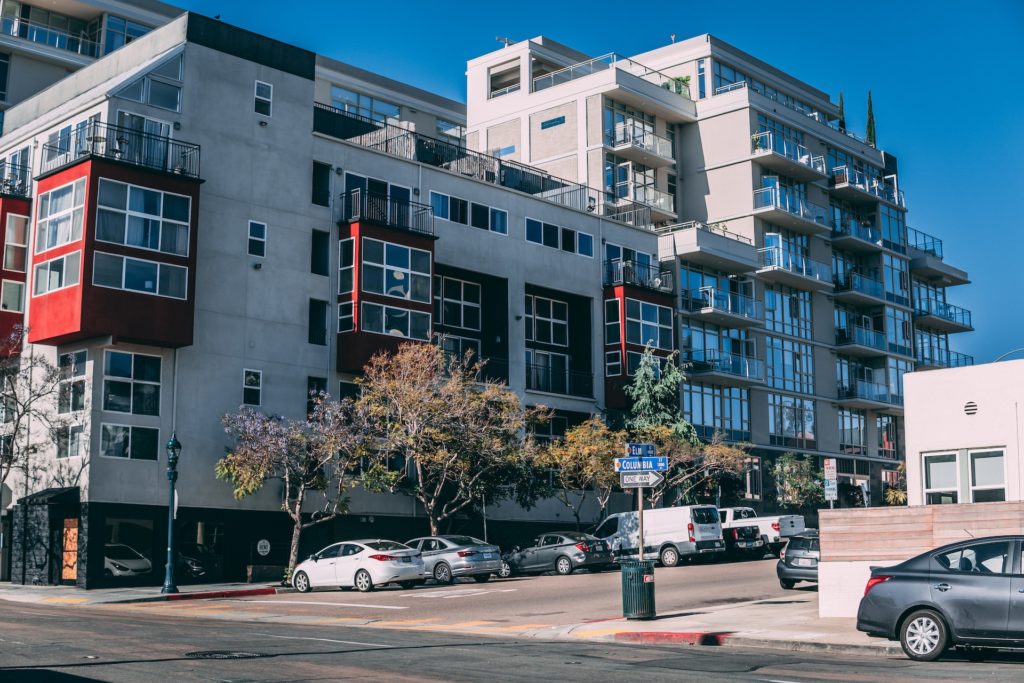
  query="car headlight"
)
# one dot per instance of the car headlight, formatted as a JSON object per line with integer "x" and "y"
{"x": 119, "y": 567}
{"x": 193, "y": 564}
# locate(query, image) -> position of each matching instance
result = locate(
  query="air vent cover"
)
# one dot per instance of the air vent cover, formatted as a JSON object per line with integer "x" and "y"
{"x": 970, "y": 408}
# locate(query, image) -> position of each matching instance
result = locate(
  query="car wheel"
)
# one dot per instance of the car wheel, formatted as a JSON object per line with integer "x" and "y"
{"x": 364, "y": 584}
{"x": 443, "y": 574}
{"x": 669, "y": 557}
{"x": 923, "y": 636}
{"x": 505, "y": 570}
{"x": 787, "y": 583}
{"x": 563, "y": 565}
{"x": 302, "y": 583}
{"x": 482, "y": 578}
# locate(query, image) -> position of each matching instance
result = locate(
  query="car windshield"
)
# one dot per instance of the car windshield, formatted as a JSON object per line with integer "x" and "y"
{"x": 746, "y": 513}
{"x": 386, "y": 545}
{"x": 704, "y": 515}
{"x": 121, "y": 552}
{"x": 577, "y": 536}
{"x": 803, "y": 543}
{"x": 463, "y": 540}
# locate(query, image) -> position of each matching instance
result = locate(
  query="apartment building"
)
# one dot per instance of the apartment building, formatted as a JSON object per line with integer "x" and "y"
{"x": 211, "y": 218}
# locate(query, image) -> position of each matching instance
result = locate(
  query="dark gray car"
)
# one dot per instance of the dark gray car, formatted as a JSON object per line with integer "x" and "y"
{"x": 449, "y": 557}
{"x": 798, "y": 561}
{"x": 968, "y": 595}
{"x": 563, "y": 552}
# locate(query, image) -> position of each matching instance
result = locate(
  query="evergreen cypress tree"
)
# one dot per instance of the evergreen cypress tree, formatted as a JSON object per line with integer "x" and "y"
{"x": 869, "y": 133}
{"x": 842, "y": 112}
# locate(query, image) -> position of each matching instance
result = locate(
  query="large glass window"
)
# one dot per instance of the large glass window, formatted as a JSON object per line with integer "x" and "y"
{"x": 370, "y": 107}
{"x": 12, "y": 296}
{"x": 547, "y": 320}
{"x": 790, "y": 365}
{"x": 57, "y": 273}
{"x": 396, "y": 270}
{"x": 565, "y": 239}
{"x": 71, "y": 386}
{"x": 894, "y": 228}
{"x": 941, "y": 479}
{"x": 612, "y": 322}
{"x": 346, "y": 265}
{"x": 988, "y": 482}
{"x": 137, "y": 275}
{"x": 791, "y": 421}
{"x": 711, "y": 408}
{"x": 888, "y": 436}
{"x": 161, "y": 87}
{"x": 787, "y": 311}
{"x": 851, "y": 432}
{"x": 132, "y": 443}
{"x": 648, "y": 323}
{"x": 897, "y": 279}
{"x": 131, "y": 383}
{"x": 898, "y": 330}
{"x": 121, "y": 32}
{"x": 397, "y": 322}
{"x": 60, "y": 216}
{"x": 146, "y": 219}
{"x": 16, "y": 243}
{"x": 456, "y": 303}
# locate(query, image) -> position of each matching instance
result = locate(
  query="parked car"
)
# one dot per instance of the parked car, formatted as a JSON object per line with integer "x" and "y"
{"x": 968, "y": 595}
{"x": 197, "y": 561}
{"x": 743, "y": 541}
{"x": 774, "y": 530}
{"x": 362, "y": 564}
{"x": 449, "y": 557}
{"x": 561, "y": 551}
{"x": 799, "y": 559}
{"x": 122, "y": 560}
{"x": 670, "y": 534}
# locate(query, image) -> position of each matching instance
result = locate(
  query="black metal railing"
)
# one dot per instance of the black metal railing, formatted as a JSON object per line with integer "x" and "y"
{"x": 15, "y": 180}
{"x": 645, "y": 275}
{"x": 403, "y": 214}
{"x": 397, "y": 141}
{"x": 559, "y": 380}
{"x": 147, "y": 150}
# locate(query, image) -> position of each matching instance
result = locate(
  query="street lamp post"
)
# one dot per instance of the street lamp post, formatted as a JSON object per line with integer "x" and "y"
{"x": 173, "y": 448}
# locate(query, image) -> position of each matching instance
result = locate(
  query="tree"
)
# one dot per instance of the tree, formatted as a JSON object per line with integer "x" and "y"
{"x": 455, "y": 441}
{"x": 584, "y": 460}
{"x": 896, "y": 494}
{"x": 869, "y": 133}
{"x": 796, "y": 481}
{"x": 842, "y": 112}
{"x": 693, "y": 468}
{"x": 654, "y": 392}
{"x": 316, "y": 455}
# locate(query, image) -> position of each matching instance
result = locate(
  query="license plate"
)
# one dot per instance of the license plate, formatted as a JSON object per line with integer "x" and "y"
{"x": 599, "y": 547}
{"x": 406, "y": 559}
{"x": 804, "y": 562}
{"x": 488, "y": 556}
{"x": 744, "y": 544}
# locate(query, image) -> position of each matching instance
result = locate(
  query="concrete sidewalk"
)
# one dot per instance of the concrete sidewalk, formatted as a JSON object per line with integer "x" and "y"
{"x": 71, "y": 595}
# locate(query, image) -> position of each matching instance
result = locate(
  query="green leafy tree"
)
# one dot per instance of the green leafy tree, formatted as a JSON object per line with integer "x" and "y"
{"x": 654, "y": 392}
{"x": 869, "y": 133}
{"x": 896, "y": 494}
{"x": 797, "y": 482}
{"x": 842, "y": 112}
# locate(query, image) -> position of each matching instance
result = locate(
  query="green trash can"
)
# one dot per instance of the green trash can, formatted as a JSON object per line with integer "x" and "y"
{"x": 638, "y": 589}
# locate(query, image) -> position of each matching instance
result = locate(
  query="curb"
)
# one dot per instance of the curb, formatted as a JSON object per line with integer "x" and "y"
{"x": 884, "y": 649}
{"x": 700, "y": 638}
{"x": 206, "y": 595}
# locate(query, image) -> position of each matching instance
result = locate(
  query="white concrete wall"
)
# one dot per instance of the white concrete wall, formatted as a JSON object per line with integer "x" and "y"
{"x": 841, "y": 586}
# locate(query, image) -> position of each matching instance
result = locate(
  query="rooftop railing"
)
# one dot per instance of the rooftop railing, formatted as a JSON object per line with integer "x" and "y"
{"x": 880, "y": 188}
{"x": 771, "y": 197}
{"x": 861, "y": 336}
{"x": 869, "y": 391}
{"x": 156, "y": 152}
{"x": 713, "y": 228}
{"x": 504, "y": 91}
{"x": 922, "y": 241}
{"x": 939, "y": 357}
{"x": 360, "y": 205}
{"x": 397, "y": 141}
{"x": 856, "y": 282}
{"x": 559, "y": 381}
{"x": 635, "y": 135}
{"x": 15, "y": 180}
{"x": 777, "y": 257}
{"x": 722, "y": 301}
{"x": 645, "y": 275}
{"x": 767, "y": 142}
{"x": 611, "y": 61}
{"x": 940, "y": 309}
{"x": 47, "y": 35}
{"x": 713, "y": 360}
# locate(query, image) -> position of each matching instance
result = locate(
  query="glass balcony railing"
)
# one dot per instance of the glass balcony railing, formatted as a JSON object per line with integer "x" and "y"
{"x": 855, "y": 282}
{"x": 48, "y": 35}
{"x": 722, "y": 301}
{"x": 854, "y": 228}
{"x": 359, "y": 205}
{"x": 940, "y": 309}
{"x": 868, "y": 391}
{"x": 777, "y": 257}
{"x": 771, "y": 198}
{"x": 611, "y": 61}
{"x": 559, "y": 380}
{"x": 844, "y": 175}
{"x": 646, "y": 275}
{"x": 922, "y": 241}
{"x": 768, "y": 142}
{"x": 634, "y": 135}
{"x": 862, "y": 336}
{"x": 656, "y": 199}
{"x": 125, "y": 145}
{"x": 505, "y": 91}
{"x": 713, "y": 360}
{"x": 936, "y": 356}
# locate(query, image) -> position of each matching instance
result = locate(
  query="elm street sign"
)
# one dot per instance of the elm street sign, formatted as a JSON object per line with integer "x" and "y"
{"x": 640, "y": 457}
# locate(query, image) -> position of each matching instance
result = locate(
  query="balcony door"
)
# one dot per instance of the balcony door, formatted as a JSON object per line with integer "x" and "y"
{"x": 142, "y": 140}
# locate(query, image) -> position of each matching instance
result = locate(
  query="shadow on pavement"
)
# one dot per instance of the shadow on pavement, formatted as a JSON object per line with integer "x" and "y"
{"x": 41, "y": 676}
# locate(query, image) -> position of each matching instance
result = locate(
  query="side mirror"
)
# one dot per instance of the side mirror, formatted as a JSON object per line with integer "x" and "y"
{"x": 314, "y": 557}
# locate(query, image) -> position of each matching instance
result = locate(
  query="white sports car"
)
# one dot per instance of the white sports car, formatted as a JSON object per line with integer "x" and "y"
{"x": 362, "y": 564}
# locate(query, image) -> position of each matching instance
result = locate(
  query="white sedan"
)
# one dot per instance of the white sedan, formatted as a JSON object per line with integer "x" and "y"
{"x": 363, "y": 564}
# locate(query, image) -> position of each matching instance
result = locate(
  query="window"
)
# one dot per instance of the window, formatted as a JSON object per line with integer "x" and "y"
{"x": 5, "y": 65}
{"x": 321, "y": 184}
{"x": 752, "y": 479}
{"x": 143, "y": 218}
{"x": 547, "y": 321}
{"x": 71, "y": 386}
{"x": 612, "y": 322}
{"x": 565, "y": 239}
{"x": 451, "y": 132}
{"x": 439, "y": 203}
{"x": 264, "y": 98}
{"x": 459, "y": 346}
{"x": 396, "y": 270}
{"x": 791, "y": 421}
{"x": 252, "y": 387}
{"x": 852, "y": 440}
{"x": 981, "y": 558}
{"x": 460, "y": 211}
{"x": 121, "y": 32}
{"x": 941, "y": 479}
{"x": 790, "y": 365}
{"x": 456, "y": 303}
{"x": 897, "y": 279}
{"x": 345, "y": 317}
{"x": 648, "y": 323}
{"x": 787, "y": 311}
{"x": 552, "y": 430}
{"x": 131, "y": 383}
{"x": 132, "y": 443}
{"x": 69, "y": 439}
{"x": 16, "y": 243}
{"x": 161, "y": 87}
{"x": 320, "y": 253}
{"x": 317, "y": 322}
{"x": 12, "y": 298}
{"x": 987, "y": 479}
{"x": 710, "y": 408}
{"x": 397, "y": 322}
{"x": 137, "y": 275}
{"x": 363, "y": 105}
{"x": 57, "y": 274}
{"x": 60, "y": 216}
{"x": 346, "y": 265}
{"x": 257, "y": 239}
{"x": 612, "y": 363}
{"x": 888, "y": 436}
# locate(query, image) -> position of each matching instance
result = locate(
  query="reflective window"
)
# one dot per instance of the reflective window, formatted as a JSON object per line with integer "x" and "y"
{"x": 131, "y": 383}
{"x": 851, "y": 432}
{"x": 396, "y": 270}
{"x": 790, "y": 365}
{"x": 146, "y": 219}
{"x": 982, "y": 558}
{"x": 547, "y": 320}
{"x": 791, "y": 421}
{"x": 648, "y": 323}
{"x": 369, "y": 107}
{"x": 988, "y": 483}
{"x": 60, "y": 216}
{"x": 941, "y": 479}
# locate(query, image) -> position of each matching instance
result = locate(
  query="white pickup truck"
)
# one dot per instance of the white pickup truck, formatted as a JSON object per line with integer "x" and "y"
{"x": 774, "y": 530}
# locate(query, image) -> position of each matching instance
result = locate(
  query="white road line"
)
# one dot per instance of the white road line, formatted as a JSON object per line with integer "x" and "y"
{"x": 459, "y": 593}
{"x": 330, "y": 604}
{"x": 323, "y": 640}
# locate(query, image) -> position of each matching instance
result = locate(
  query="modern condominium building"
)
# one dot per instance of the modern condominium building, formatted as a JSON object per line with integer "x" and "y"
{"x": 576, "y": 211}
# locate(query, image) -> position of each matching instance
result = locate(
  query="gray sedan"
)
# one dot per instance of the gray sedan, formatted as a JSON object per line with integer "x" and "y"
{"x": 449, "y": 557}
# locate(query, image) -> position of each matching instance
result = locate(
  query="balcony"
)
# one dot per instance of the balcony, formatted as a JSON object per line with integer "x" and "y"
{"x": 661, "y": 205}
{"x": 856, "y": 288}
{"x": 719, "y": 367}
{"x": 15, "y": 181}
{"x": 707, "y": 245}
{"x": 925, "y": 253}
{"x": 785, "y": 210}
{"x": 627, "y": 81}
{"x": 634, "y": 142}
{"x": 390, "y": 139}
{"x": 123, "y": 145}
{"x": 783, "y": 267}
{"x": 644, "y": 275}
{"x": 942, "y": 317}
{"x": 559, "y": 381}
{"x": 722, "y": 307}
{"x": 854, "y": 236}
{"x": 861, "y": 341}
{"x": 855, "y": 186}
{"x": 936, "y": 358}
{"x": 868, "y": 395}
{"x": 787, "y": 157}
{"x": 359, "y": 205}
{"x": 42, "y": 34}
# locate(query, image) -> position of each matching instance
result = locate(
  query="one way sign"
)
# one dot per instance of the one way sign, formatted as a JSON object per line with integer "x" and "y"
{"x": 632, "y": 480}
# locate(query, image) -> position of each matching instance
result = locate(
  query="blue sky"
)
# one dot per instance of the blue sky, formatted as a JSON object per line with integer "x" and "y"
{"x": 943, "y": 77}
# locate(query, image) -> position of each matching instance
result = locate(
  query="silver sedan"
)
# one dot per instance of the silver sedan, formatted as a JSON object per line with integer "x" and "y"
{"x": 448, "y": 557}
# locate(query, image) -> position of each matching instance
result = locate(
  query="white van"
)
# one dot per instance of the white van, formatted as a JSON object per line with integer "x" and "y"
{"x": 670, "y": 534}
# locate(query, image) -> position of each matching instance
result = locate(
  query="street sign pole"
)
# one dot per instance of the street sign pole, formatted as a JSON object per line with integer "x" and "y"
{"x": 640, "y": 512}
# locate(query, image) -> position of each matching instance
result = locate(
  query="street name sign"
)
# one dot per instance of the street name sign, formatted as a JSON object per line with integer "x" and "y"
{"x": 639, "y": 450}
{"x": 658, "y": 463}
{"x": 631, "y": 480}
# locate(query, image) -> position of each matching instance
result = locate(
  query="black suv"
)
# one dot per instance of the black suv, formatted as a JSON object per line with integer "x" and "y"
{"x": 799, "y": 559}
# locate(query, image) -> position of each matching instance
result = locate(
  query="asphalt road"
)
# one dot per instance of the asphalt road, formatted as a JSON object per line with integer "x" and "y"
{"x": 55, "y": 644}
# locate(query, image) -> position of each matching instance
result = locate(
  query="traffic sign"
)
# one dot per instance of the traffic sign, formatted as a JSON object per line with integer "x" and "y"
{"x": 656, "y": 464}
{"x": 831, "y": 482}
{"x": 830, "y": 468}
{"x": 639, "y": 450}
{"x": 632, "y": 480}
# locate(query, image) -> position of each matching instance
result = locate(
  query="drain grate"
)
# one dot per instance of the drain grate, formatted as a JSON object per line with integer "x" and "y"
{"x": 223, "y": 654}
